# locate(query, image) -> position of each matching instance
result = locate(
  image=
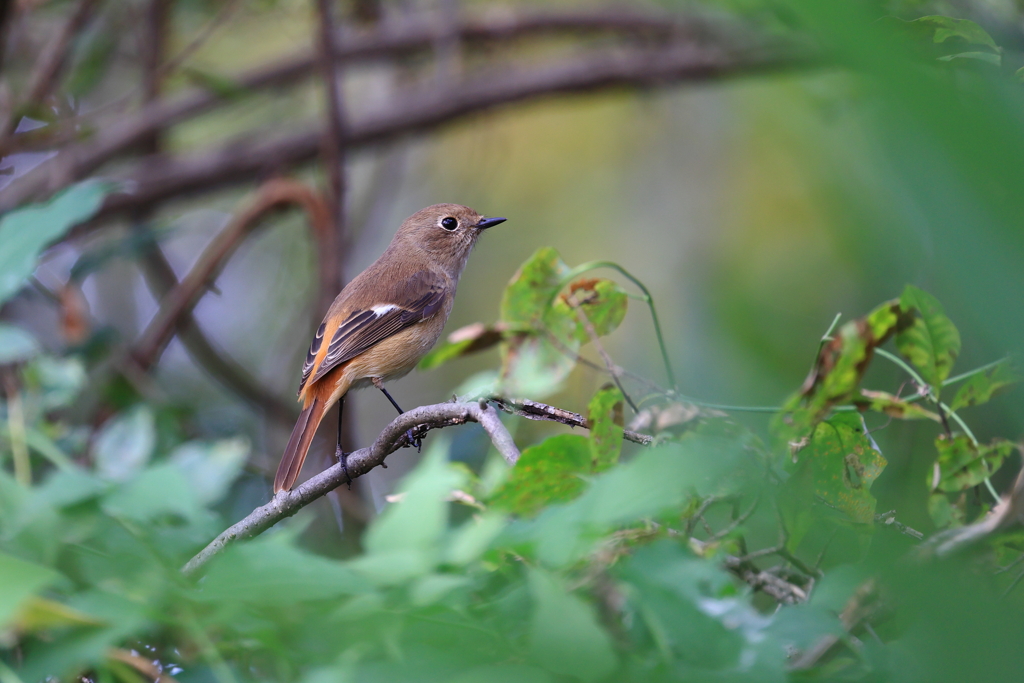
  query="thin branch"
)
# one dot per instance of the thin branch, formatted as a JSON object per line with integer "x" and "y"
{"x": 392, "y": 41}
{"x": 394, "y": 436}
{"x": 333, "y": 153}
{"x": 50, "y": 64}
{"x": 862, "y": 605}
{"x": 592, "y": 333}
{"x": 156, "y": 180}
{"x": 183, "y": 298}
{"x": 778, "y": 588}
{"x": 533, "y": 410}
{"x": 161, "y": 280}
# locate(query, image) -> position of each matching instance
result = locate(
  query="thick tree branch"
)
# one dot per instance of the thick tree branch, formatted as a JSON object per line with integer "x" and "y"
{"x": 153, "y": 180}
{"x": 394, "y": 436}
{"x": 393, "y": 40}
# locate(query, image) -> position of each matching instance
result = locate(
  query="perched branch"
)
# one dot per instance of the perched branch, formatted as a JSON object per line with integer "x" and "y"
{"x": 394, "y": 436}
{"x": 183, "y": 298}
{"x": 532, "y": 410}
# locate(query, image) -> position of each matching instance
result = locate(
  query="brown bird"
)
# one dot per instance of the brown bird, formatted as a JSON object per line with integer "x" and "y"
{"x": 384, "y": 320}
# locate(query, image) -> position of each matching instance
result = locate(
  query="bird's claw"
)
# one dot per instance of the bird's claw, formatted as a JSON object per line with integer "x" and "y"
{"x": 342, "y": 458}
{"x": 412, "y": 435}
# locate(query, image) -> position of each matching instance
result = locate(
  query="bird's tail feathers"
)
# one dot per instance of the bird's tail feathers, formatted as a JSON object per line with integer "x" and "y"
{"x": 298, "y": 445}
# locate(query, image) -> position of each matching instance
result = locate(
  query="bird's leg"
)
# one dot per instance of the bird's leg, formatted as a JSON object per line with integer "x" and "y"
{"x": 339, "y": 453}
{"x": 413, "y": 439}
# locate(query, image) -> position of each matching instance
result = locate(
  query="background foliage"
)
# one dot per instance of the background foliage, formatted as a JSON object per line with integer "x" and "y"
{"x": 854, "y": 157}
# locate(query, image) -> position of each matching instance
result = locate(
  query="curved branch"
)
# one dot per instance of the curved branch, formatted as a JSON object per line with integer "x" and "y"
{"x": 183, "y": 298}
{"x": 392, "y": 41}
{"x": 154, "y": 180}
{"x": 287, "y": 503}
{"x": 533, "y": 410}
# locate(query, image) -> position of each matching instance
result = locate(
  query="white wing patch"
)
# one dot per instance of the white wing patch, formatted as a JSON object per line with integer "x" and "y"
{"x": 381, "y": 310}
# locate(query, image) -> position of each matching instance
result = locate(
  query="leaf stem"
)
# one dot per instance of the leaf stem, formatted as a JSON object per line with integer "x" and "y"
{"x": 16, "y": 430}
{"x": 593, "y": 265}
{"x": 975, "y": 371}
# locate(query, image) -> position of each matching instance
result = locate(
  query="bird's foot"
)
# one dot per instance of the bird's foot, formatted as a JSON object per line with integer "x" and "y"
{"x": 342, "y": 457}
{"x": 414, "y": 439}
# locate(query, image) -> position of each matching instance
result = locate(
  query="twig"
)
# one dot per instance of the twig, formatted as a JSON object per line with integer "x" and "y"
{"x": 1009, "y": 510}
{"x": 394, "y": 40}
{"x": 49, "y": 65}
{"x": 608, "y": 362}
{"x": 783, "y": 591}
{"x": 155, "y": 180}
{"x": 889, "y": 519}
{"x": 183, "y": 298}
{"x": 161, "y": 280}
{"x": 394, "y": 436}
{"x": 533, "y": 410}
{"x": 861, "y": 605}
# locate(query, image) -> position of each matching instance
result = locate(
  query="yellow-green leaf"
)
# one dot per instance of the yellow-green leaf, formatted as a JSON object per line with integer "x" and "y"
{"x": 932, "y": 342}
{"x": 980, "y": 388}
{"x": 605, "y": 419}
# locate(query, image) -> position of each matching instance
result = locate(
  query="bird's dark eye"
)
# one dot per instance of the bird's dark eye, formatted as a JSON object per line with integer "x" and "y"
{"x": 449, "y": 223}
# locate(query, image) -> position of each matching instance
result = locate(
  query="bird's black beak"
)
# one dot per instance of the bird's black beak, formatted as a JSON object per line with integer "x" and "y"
{"x": 489, "y": 223}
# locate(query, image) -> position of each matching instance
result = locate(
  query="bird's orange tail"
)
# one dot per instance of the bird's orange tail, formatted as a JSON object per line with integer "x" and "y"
{"x": 298, "y": 445}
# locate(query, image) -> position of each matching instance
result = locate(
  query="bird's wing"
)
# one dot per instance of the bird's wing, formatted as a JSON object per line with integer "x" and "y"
{"x": 400, "y": 305}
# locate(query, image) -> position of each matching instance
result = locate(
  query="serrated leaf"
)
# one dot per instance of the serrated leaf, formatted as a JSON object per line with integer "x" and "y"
{"x": 931, "y": 343}
{"x": 980, "y": 388}
{"x": 843, "y": 465}
{"x": 838, "y": 371}
{"x": 603, "y": 302}
{"x": 893, "y": 406}
{"x": 527, "y": 297}
{"x": 25, "y": 232}
{"x": 548, "y": 472}
{"x": 962, "y": 465}
{"x": 604, "y": 415}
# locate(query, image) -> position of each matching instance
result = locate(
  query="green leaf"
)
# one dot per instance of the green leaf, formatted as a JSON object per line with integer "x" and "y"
{"x": 527, "y": 297}
{"x": 16, "y": 345}
{"x": 962, "y": 465}
{"x": 159, "y": 491}
{"x": 843, "y": 465}
{"x": 405, "y": 540}
{"x": 604, "y": 415}
{"x": 21, "y": 580}
{"x": 532, "y": 365}
{"x": 980, "y": 388}
{"x": 944, "y": 29}
{"x": 271, "y": 570}
{"x": 546, "y": 473}
{"x": 25, "y": 232}
{"x": 886, "y": 403}
{"x": 603, "y": 302}
{"x": 985, "y": 57}
{"x": 462, "y": 342}
{"x": 125, "y": 444}
{"x": 59, "y": 380}
{"x": 931, "y": 342}
{"x": 837, "y": 371}
{"x": 564, "y": 634}
{"x": 211, "y": 467}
